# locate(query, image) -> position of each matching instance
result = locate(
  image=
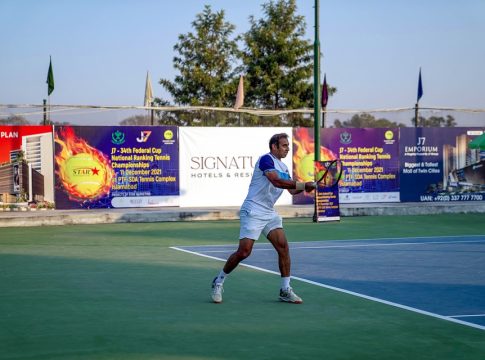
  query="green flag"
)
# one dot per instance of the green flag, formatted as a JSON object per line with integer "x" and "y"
{"x": 50, "y": 79}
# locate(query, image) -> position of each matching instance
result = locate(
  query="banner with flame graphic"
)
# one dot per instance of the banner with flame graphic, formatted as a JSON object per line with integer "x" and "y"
{"x": 106, "y": 167}
{"x": 370, "y": 160}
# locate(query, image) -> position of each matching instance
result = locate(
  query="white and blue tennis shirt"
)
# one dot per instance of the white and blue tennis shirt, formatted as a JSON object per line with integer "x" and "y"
{"x": 262, "y": 194}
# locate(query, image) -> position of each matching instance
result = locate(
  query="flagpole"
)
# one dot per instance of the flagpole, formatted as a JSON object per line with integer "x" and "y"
{"x": 151, "y": 112}
{"x": 45, "y": 111}
{"x": 416, "y": 110}
{"x": 323, "y": 116}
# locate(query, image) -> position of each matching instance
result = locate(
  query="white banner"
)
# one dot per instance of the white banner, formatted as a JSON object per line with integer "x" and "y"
{"x": 216, "y": 164}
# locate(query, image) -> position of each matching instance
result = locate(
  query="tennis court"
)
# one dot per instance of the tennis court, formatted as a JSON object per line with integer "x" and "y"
{"x": 120, "y": 291}
{"x": 409, "y": 273}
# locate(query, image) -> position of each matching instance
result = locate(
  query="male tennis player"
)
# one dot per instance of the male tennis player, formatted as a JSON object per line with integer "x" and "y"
{"x": 258, "y": 216}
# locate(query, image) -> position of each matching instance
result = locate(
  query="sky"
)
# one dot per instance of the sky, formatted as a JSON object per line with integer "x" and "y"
{"x": 372, "y": 49}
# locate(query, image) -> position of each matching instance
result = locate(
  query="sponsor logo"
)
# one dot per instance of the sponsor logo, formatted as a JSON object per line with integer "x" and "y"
{"x": 345, "y": 138}
{"x": 9, "y": 135}
{"x": 389, "y": 137}
{"x": 168, "y": 135}
{"x": 144, "y": 135}
{"x": 118, "y": 137}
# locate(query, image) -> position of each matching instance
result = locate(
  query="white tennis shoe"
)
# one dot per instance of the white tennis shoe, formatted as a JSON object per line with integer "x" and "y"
{"x": 287, "y": 295}
{"x": 217, "y": 290}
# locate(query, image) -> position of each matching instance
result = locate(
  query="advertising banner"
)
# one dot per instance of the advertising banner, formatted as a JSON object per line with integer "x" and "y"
{"x": 370, "y": 160}
{"x": 216, "y": 164}
{"x": 116, "y": 167}
{"x": 34, "y": 142}
{"x": 327, "y": 200}
{"x": 438, "y": 165}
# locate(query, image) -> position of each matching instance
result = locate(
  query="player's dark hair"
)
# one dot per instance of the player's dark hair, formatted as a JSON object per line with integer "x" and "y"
{"x": 275, "y": 139}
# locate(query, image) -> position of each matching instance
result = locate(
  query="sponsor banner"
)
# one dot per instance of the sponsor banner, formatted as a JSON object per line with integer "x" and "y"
{"x": 370, "y": 160}
{"x": 437, "y": 165}
{"x": 327, "y": 201}
{"x": 35, "y": 143}
{"x": 116, "y": 166}
{"x": 216, "y": 164}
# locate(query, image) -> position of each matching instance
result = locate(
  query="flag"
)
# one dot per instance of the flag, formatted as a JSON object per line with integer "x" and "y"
{"x": 240, "y": 94}
{"x": 148, "y": 91}
{"x": 50, "y": 78}
{"x": 324, "y": 92}
{"x": 420, "y": 86}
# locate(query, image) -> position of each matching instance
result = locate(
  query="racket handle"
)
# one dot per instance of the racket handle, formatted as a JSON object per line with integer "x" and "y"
{"x": 311, "y": 184}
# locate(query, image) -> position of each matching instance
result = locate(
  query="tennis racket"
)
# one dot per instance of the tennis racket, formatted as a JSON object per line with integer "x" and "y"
{"x": 328, "y": 173}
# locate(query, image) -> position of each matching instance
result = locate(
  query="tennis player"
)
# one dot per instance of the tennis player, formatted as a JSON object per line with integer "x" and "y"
{"x": 257, "y": 214}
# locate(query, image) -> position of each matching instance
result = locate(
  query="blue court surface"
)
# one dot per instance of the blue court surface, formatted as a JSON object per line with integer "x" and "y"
{"x": 443, "y": 277}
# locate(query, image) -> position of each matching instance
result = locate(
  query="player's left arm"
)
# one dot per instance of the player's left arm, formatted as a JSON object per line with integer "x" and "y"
{"x": 293, "y": 187}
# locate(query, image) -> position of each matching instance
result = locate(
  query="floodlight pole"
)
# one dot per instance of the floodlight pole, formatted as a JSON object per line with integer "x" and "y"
{"x": 416, "y": 112}
{"x": 316, "y": 83}
{"x": 316, "y": 96}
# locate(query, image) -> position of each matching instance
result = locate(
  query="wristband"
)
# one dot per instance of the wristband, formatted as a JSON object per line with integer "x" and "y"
{"x": 299, "y": 185}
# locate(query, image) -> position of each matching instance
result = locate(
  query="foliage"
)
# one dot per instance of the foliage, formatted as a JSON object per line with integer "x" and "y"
{"x": 205, "y": 63}
{"x": 435, "y": 121}
{"x": 55, "y": 123}
{"x": 277, "y": 61}
{"x": 277, "y": 64}
{"x": 14, "y": 120}
{"x": 137, "y": 120}
{"x": 366, "y": 120}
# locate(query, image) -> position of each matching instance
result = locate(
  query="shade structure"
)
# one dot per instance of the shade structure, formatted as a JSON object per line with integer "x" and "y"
{"x": 148, "y": 92}
{"x": 478, "y": 142}
{"x": 240, "y": 94}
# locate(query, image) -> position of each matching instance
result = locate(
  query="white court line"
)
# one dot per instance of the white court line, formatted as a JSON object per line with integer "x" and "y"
{"x": 372, "y": 239}
{"x": 391, "y": 244}
{"x": 357, "y": 245}
{"x": 446, "y": 318}
{"x": 459, "y": 316}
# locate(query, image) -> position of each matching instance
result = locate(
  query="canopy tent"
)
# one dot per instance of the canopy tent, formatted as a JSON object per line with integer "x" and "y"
{"x": 478, "y": 142}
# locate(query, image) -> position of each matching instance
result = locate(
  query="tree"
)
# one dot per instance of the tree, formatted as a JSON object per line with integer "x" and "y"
{"x": 14, "y": 120}
{"x": 277, "y": 61}
{"x": 366, "y": 120}
{"x": 137, "y": 120}
{"x": 205, "y": 62}
{"x": 56, "y": 123}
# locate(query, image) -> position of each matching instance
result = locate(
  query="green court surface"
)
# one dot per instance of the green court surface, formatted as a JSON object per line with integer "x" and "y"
{"x": 117, "y": 291}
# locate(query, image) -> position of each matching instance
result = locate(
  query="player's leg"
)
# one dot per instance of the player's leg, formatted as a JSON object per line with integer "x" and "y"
{"x": 249, "y": 232}
{"x": 242, "y": 252}
{"x": 277, "y": 238}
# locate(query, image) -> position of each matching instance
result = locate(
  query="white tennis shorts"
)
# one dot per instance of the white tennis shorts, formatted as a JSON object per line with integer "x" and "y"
{"x": 252, "y": 226}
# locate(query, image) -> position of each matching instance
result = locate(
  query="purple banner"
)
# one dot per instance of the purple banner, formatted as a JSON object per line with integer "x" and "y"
{"x": 437, "y": 165}
{"x": 106, "y": 167}
{"x": 370, "y": 160}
